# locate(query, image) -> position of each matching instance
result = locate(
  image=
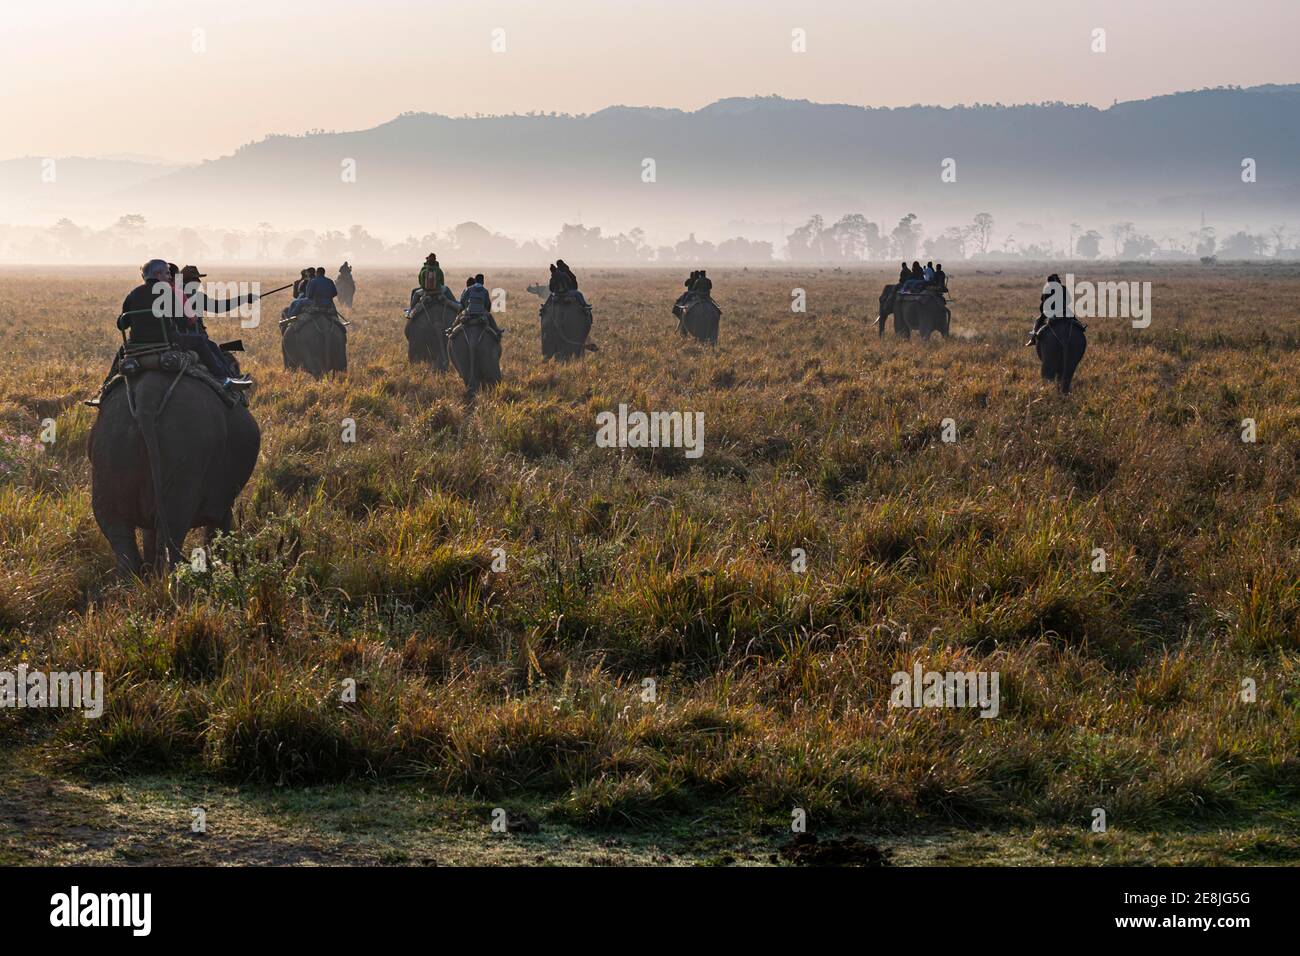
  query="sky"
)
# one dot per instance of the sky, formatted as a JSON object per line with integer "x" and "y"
{"x": 85, "y": 77}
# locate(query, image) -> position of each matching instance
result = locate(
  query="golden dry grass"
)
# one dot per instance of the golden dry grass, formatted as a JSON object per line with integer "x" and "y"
{"x": 373, "y": 560}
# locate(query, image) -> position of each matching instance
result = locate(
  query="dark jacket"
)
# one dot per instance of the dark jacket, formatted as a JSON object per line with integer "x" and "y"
{"x": 140, "y": 316}
{"x": 321, "y": 290}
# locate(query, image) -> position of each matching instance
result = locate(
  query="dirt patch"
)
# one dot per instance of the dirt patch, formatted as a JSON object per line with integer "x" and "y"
{"x": 807, "y": 850}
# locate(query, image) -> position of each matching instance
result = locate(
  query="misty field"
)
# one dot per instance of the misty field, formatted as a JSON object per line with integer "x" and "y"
{"x": 526, "y": 688}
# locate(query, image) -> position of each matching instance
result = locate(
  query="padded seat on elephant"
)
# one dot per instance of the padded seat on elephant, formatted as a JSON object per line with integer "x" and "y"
{"x": 135, "y": 360}
{"x": 472, "y": 321}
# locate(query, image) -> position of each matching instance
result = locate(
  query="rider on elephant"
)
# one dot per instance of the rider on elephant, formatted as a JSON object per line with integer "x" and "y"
{"x": 476, "y": 301}
{"x": 197, "y": 301}
{"x": 154, "y": 313}
{"x": 432, "y": 281}
{"x": 564, "y": 281}
{"x": 1052, "y": 304}
{"x": 321, "y": 290}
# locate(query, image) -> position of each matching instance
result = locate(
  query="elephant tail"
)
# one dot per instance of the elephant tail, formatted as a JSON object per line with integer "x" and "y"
{"x": 146, "y": 420}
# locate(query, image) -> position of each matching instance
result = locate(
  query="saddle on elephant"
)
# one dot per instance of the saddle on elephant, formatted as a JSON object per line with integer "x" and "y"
{"x": 468, "y": 320}
{"x": 134, "y": 359}
{"x": 564, "y": 295}
{"x": 1054, "y": 325}
{"x": 688, "y": 300}
{"x": 312, "y": 312}
{"x": 917, "y": 290}
{"x": 422, "y": 301}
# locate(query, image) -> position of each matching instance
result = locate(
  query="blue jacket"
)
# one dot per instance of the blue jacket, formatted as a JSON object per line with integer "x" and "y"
{"x": 476, "y": 301}
{"x": 321, "y": 290}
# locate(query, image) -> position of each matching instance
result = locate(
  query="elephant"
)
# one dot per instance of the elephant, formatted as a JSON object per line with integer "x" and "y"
{"x": 566, "y": 323}
{"x": 925, "y": 313}
{"x": 426, "y": 330}
{"x": 1060, "y": 345}
{"x": 167, "y": 454}
{"x": 315, "y": 340}
{"x": 347, "y": 287}
{"x": 475, "y": 351}
{"x": 701, "y": 320}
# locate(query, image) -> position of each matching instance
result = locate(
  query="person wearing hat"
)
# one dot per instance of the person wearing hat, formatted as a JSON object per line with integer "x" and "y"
{"x": 198, "y": 302}
{"x": 193, "y": 334}
{"x": 303, "y": 278}
{"x": 153, "y": 313}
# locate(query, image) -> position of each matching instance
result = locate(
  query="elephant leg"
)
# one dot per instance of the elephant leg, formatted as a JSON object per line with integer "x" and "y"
{"x": 122, "y": 540}
{"x": 150, "y": 541}
{"x": 182, "y": 506}
{"x": 336, "y": 359}
{"x": 1051, "y": 365}
{"x": 1068, "y": 364}
{"x": 440, "y": 348}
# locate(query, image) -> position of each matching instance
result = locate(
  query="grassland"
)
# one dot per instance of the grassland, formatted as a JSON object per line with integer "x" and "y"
{"x": 524, "y": 688}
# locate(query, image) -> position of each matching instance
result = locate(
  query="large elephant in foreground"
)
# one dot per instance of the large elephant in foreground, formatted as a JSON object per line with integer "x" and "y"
{"x": 315, "y": 340}
{"x": 475, "y": 351}
{"x": 566, "y": 323}
{"x": 167, "y": 454}
{"x": 1060, "y": 345}
{"x": 426, "y": 330}
{"x": 701, "y": 320}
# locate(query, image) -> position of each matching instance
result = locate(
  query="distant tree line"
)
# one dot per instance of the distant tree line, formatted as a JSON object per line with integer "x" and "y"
{"x": 852, "y": 238}
{"x": 132, "y": 238}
